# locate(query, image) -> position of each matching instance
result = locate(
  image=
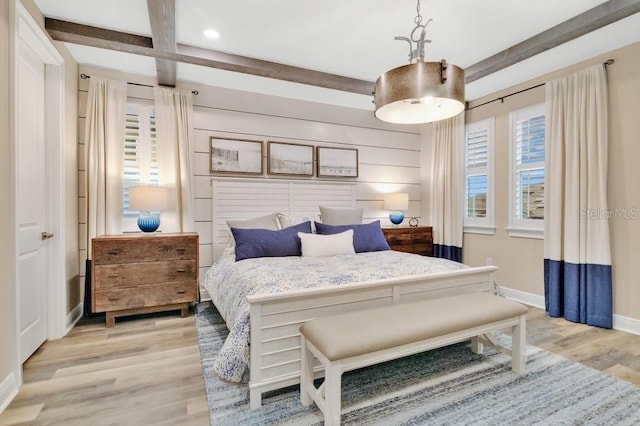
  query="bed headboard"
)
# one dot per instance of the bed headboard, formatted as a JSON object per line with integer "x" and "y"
{"x": 238, "y": 198}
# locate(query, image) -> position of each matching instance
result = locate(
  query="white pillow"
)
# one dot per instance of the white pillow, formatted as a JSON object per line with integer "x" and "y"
{"x": 331, "y": 216}
{"x": 316, "y": 245}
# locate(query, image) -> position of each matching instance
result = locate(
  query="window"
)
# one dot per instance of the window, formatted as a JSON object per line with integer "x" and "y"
{"x": 527, "y": 172}
{"x": 479, "y": 177}
{"x": 140, "y": 156}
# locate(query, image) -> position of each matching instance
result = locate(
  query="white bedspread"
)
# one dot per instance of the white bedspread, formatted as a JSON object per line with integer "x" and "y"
{"x": 230, "y": 282}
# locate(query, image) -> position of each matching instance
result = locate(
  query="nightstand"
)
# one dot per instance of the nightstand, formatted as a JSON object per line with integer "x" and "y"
{"x": 418, "y": 240}
{"x": 142, "y": 273}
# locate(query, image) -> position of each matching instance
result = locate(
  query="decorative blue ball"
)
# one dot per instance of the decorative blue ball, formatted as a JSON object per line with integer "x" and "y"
{"x": 396, "y": 218}
{"x": 148, "y": 222}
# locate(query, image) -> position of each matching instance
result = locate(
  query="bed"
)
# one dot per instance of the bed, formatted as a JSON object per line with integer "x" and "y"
{"x": 265, "y": 300}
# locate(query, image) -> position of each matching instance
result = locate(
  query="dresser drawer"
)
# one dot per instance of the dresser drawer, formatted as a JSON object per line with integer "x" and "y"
{"x": 131, "y": 250}
{"x": 143, "y": 296}
{"x": 128, "y": 274}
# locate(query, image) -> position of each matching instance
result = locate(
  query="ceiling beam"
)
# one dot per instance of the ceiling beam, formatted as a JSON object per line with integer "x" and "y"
{"x": 579, "y": 25}
{"x": 162, "y": 17}
{"x": 86, "y": 35}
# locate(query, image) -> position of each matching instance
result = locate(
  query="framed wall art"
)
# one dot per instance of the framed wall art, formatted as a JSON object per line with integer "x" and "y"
{"x": 238, "y": 156}
{"x": 289, "y": 159}
{"x": 337, "y": 162}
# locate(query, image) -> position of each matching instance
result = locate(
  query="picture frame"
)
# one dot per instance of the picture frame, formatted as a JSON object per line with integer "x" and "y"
{"x": 337, "y": 162}
{"x": 291, "y": 159}
{"x": 235, "y": 156}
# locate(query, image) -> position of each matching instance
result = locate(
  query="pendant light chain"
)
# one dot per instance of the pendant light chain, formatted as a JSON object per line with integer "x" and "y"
{"x": 417, "y": 36}
{"x": 418, "y": 17}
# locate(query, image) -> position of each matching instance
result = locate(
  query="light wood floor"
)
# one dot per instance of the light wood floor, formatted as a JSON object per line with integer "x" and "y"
{"x": 146, "y": 371}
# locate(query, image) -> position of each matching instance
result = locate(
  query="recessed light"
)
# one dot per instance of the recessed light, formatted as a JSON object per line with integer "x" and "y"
{"x": 212, "y": 34}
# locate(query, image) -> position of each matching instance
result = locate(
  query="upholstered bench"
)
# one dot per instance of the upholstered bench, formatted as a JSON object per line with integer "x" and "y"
{"x": 357, "y": 339}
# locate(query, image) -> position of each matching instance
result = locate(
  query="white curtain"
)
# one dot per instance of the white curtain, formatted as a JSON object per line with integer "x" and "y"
{"x": 174, "y": 118}
{"x": 447, "y": 187}
{"x": 577, "y": 257}
{"x": 104, "y": 144}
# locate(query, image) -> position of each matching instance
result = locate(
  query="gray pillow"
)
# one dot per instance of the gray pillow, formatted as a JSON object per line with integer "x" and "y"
{"x": 269, "y": 221}
{"x": 331, "y": 216}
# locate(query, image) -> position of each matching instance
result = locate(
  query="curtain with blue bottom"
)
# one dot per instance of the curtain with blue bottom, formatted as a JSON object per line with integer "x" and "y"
{"x": 448, "y": 252}
{"x": 577, "y": 257}
{"x": 447, "y": 187}
{"x": 580, "y": 293}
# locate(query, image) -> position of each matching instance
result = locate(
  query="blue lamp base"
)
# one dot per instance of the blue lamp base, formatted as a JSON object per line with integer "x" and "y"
{"x": 396, "y": 217}
{"x": 148, "y": 222}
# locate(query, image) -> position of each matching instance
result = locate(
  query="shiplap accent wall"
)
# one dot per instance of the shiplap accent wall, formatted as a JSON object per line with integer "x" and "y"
{"x": 389, "y": 156}
{"x": 235, "y": 199}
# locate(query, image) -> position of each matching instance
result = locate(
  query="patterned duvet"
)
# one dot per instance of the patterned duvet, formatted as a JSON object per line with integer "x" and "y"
{"x": 230, "y": 282}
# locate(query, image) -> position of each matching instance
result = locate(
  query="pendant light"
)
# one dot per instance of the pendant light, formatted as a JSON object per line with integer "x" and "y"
{"x": 421, "y": 92}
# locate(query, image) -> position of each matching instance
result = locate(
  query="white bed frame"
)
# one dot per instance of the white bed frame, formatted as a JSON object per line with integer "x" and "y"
{"x": 275, "y": 318}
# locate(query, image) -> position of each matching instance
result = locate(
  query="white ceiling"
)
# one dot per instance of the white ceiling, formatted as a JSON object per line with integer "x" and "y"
{"x": 353, "y": 38}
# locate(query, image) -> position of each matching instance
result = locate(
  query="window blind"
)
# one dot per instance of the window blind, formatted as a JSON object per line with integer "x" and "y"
{"x": 529, "y": 167}
{"x": 140, "y": 152}
{"x": 476, "y": 173}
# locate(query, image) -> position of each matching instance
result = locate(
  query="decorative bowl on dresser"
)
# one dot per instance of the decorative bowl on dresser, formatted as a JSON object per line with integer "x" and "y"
{"x": 417, "y": 239}
{"x": 135, "y": 274}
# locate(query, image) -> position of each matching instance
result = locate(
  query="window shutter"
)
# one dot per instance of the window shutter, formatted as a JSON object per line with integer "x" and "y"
{"x": 529, "y": 167}
{"x": 476, "y": 160}
{"x": 140, "y": 152}
{"x": 530, "y": 140}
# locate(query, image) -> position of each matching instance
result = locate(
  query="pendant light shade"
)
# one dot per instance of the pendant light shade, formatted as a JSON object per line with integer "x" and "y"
{"x": 415, "y": 93}
{"x": 421, "y": 92}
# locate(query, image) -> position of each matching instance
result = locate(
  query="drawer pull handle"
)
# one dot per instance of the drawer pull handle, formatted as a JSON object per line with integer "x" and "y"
{"x": 113, "y": 252}
{"x": 113, "y": 276}
{"x": 113, "y": 298}
{"x": 180, "y": 270}
{"x": 181, "y": 250}
{"x": 181, "y": 291}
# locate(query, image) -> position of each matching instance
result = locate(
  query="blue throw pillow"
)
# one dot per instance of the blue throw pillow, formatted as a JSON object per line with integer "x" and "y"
{"x": 252, "y": 243}
{"x": 366, "y": 237}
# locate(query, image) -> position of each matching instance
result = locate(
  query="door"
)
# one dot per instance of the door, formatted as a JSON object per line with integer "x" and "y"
{"x": 31, "y": 196}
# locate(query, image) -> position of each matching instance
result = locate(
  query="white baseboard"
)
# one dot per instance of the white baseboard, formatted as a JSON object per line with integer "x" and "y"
{"x": 622, "y": 323}
{"x": 8, "y": 391}
{"x": 74, "y": 316}
{"x": 630, "y": 325}
{"x": 522, "y": 297}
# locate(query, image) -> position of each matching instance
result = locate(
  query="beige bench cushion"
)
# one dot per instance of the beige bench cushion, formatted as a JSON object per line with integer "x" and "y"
{"x": 361, "y": 332}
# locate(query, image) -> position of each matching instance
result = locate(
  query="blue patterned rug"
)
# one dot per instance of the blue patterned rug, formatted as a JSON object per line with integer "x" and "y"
{"x": 447, "y": 386}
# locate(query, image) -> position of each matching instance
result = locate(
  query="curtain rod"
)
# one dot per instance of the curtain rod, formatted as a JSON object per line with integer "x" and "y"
{"x": 85, "y": 76}
{"x": 501, "y": 98}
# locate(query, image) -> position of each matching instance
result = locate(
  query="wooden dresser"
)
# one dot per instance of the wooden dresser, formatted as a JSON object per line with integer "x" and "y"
{"x": 418, "y": 240}
{"x": 134, "y": 274}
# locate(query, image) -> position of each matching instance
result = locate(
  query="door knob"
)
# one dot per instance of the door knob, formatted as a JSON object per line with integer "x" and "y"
{"x": 46, "y": 235}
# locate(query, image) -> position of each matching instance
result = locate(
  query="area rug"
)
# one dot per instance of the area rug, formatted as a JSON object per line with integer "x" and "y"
{"x": 447, "y": 386}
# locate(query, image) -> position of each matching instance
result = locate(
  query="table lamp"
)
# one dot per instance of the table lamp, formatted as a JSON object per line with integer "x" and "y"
{"x": 146, "y": 199}
{"x": 396, "y": 202}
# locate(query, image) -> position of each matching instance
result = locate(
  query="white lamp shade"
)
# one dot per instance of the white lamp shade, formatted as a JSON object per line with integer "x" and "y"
{"x": 147, "y": 198}
{"x": 398, "y": 201}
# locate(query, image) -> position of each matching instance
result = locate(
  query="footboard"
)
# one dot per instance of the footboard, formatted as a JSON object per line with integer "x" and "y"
{"x": 276, "y": 318}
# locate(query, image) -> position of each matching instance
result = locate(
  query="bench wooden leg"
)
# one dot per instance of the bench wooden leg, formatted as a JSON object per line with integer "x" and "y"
{"x": 306, "y": 374}
{"x": 332, "y": 396}
{"x": 476, "y": 345}
{"x": 519, "y": 346}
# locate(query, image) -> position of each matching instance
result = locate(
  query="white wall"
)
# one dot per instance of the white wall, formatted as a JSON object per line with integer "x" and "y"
{"x": 389, "y": 156}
